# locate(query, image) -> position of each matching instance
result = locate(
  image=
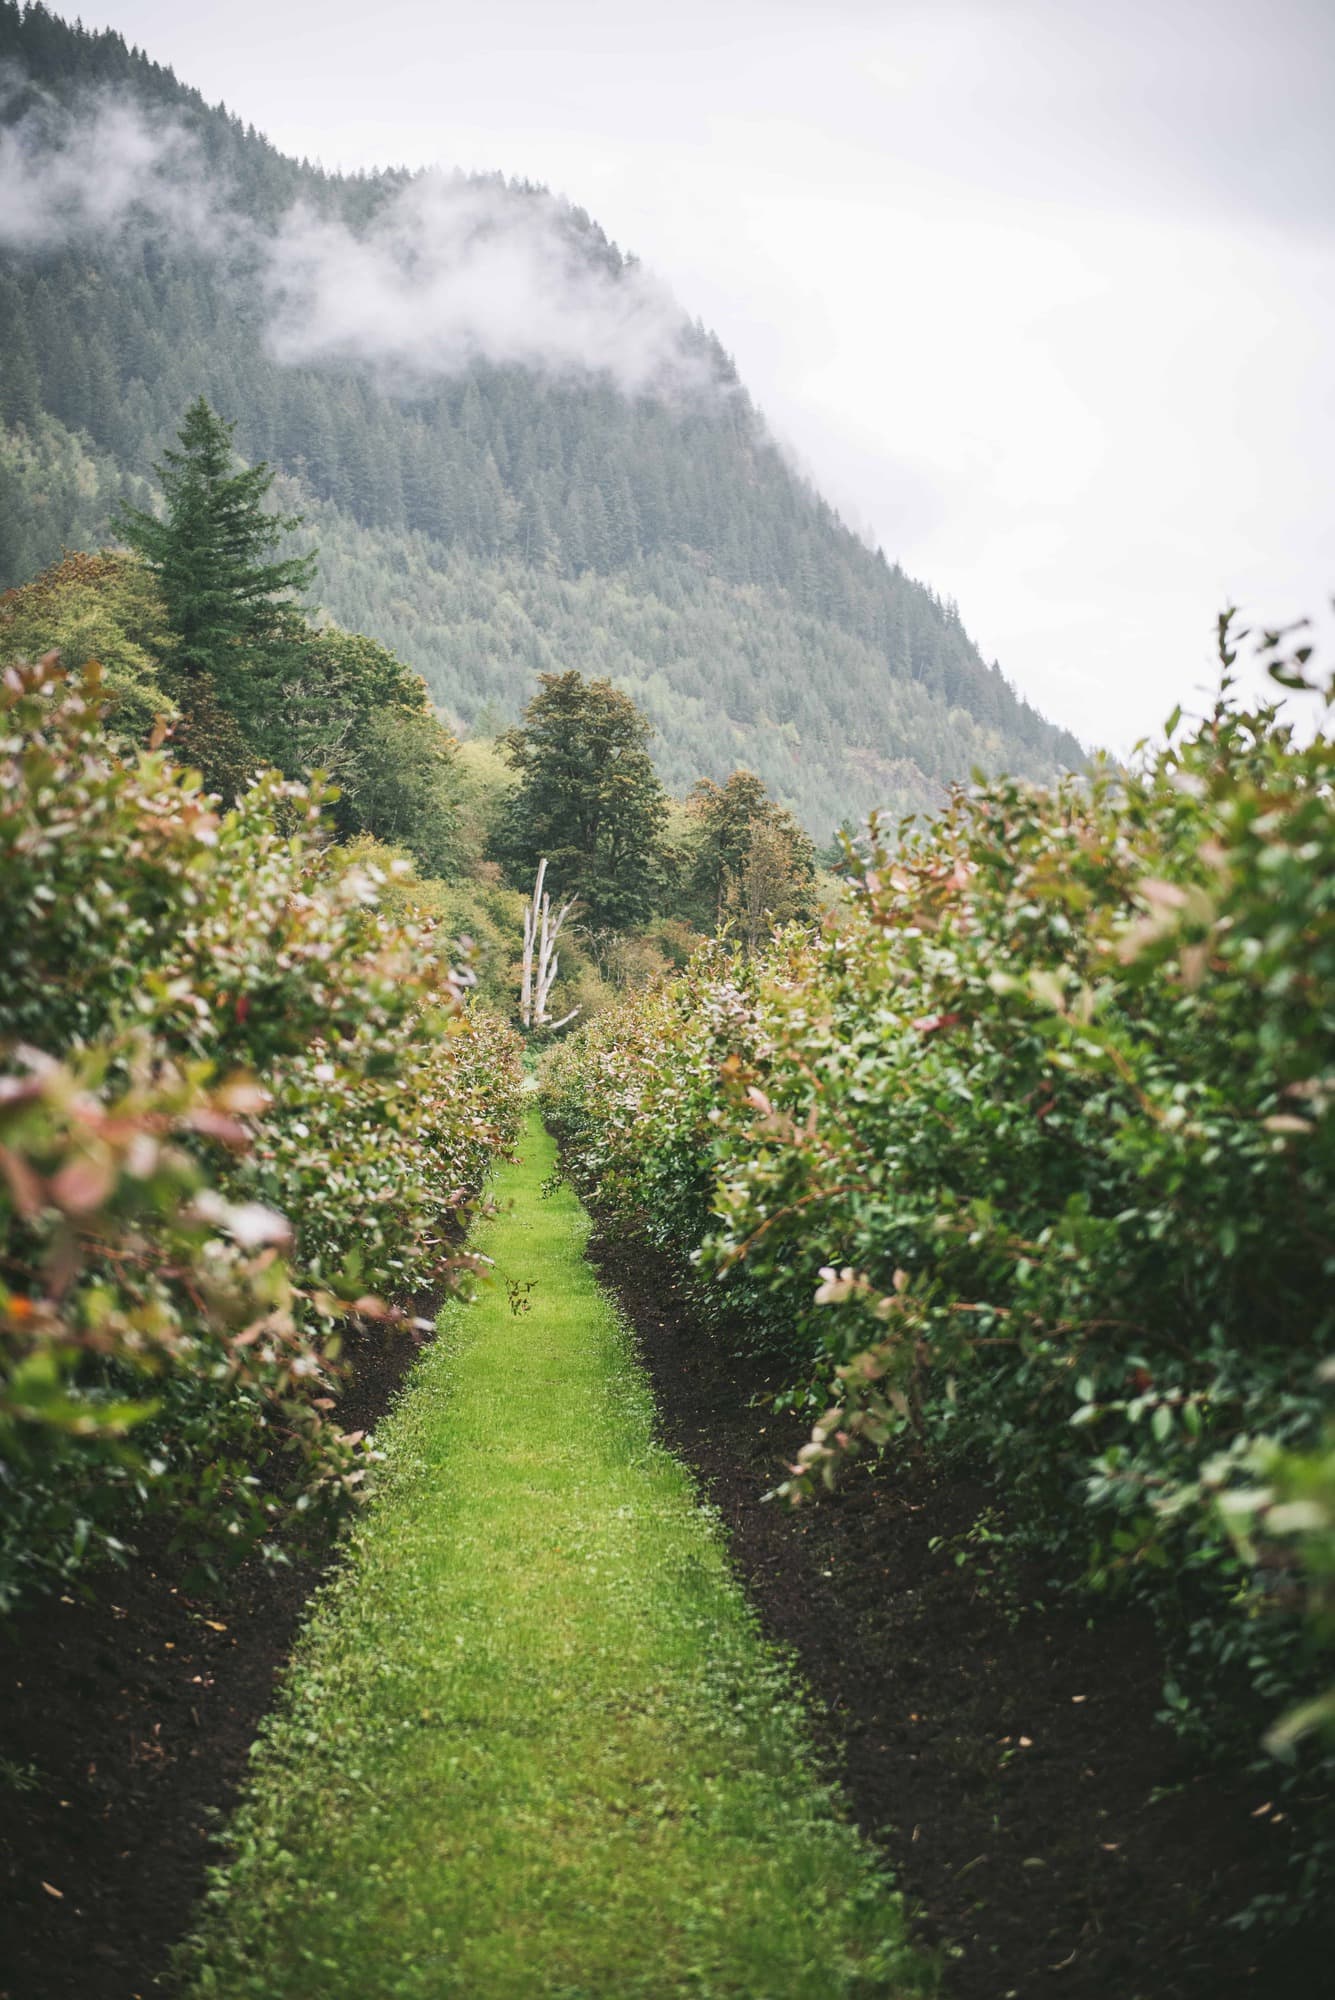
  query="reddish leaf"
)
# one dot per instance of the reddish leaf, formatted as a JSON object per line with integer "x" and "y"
{"x": 83, "y": 1184}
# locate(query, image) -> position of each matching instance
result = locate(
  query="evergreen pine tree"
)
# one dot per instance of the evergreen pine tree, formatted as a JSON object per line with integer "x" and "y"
{"x": 213, "y": 553}
{"x": 589, "y": 799}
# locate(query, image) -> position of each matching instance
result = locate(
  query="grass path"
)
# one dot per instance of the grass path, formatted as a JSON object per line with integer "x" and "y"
{"x": 533, "y": 1746}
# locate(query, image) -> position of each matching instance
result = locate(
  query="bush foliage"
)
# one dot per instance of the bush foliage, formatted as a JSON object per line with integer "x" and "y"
{"x": 1028, "y": 1158}
{"x": 238, "y": 1103}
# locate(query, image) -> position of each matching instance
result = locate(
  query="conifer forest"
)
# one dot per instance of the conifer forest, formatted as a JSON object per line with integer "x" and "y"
{"x": 667, "y": 1266}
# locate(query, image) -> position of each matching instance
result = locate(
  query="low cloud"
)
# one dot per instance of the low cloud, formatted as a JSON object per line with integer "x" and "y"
{"x": 454, "y": 271}
{"x": 448, "y": 272}
{"x": 95, "y": 172}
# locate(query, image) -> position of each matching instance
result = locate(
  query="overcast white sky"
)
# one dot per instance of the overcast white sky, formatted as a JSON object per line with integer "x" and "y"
{"x": 1042, "y": 292}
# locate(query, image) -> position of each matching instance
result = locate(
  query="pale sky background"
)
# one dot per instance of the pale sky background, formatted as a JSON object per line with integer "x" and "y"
{"x": 1041, "y": 292}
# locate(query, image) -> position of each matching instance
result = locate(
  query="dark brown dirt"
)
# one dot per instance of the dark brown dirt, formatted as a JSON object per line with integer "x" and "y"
{"x": 1005, "y": 1756}
{"x": 130, "y": 1707}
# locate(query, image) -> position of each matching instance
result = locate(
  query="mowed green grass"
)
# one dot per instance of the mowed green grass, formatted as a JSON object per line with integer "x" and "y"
{"x": 533, "y": 1743}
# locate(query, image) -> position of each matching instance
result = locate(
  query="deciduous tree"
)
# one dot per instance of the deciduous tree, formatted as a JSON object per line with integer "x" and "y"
{"x": 754, "y": 861}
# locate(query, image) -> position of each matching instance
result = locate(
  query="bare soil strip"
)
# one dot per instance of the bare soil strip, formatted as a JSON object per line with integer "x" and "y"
{"x": 129, "y": 1708}
{"x": 1048, "y": 1831}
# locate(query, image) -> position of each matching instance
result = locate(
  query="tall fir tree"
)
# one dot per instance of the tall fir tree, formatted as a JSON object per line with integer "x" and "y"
{"x": 227, "y": 591}
{"x": 589, "y": 799}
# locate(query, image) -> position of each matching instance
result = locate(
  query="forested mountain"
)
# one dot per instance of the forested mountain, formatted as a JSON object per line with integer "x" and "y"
{"x": 487, "y": 511}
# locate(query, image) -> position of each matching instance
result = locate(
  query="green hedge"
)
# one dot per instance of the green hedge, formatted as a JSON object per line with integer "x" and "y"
{"x": 1031, "y": 1156}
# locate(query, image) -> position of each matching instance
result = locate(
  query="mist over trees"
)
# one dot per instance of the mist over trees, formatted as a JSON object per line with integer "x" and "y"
{"x": 491, "y": 522}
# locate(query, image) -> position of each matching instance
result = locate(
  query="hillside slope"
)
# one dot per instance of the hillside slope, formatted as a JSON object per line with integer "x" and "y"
{"x": 487, "y": 505}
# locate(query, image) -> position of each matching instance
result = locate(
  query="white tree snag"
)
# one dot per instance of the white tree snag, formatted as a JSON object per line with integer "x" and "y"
{"x": 541, "y": 930}
{"x": 530, "y": 934}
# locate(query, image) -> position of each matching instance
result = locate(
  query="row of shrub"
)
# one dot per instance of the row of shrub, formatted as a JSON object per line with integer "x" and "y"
{"x": 1028, "y": 1161}
{"x": 241, "y": 1105}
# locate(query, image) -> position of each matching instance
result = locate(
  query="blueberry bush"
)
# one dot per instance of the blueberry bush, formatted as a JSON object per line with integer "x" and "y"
{"x": 241, "y": 1106}
{"x": 1028, "y": 1161}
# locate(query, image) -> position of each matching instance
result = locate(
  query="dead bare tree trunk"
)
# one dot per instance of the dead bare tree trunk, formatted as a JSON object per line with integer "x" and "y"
{"x": 530, "y": 934}
{"x": 541, "y": 930}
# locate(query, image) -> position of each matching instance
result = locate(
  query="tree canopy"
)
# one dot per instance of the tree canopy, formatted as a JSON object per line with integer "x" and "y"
{"x": 588, "y": 798}
{"x": 754, "y": 864}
